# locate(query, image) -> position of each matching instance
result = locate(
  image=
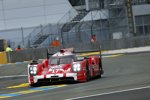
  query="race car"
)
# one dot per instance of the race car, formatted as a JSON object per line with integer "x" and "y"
{"x": 64, "y": 65}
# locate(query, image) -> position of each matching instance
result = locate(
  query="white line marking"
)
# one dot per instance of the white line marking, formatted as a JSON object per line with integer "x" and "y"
{"x": 109, "y": 93}
{"x": 12, "y": 76}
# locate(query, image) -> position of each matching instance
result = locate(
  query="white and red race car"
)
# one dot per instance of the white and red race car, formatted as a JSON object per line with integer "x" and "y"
{"x": 64, "y": 65}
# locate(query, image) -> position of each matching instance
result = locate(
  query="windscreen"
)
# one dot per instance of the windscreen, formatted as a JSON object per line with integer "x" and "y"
{"x": 54, "y": 61}
{"x": 65, "y": 60}
{"x": 62, "y": 60}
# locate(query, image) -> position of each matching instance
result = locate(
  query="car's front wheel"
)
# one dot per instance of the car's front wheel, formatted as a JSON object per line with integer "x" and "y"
{"x": 34, "y": 85}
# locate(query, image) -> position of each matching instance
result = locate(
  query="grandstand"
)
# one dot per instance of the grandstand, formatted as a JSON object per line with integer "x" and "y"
{"x": 36, "y": 23}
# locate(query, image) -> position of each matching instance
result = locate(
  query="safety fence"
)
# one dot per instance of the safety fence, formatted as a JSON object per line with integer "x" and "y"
{"x": 41, "y": 53}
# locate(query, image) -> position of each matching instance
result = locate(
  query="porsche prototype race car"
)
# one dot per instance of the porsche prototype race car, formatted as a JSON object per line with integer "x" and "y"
{"x": 65, "y": 65}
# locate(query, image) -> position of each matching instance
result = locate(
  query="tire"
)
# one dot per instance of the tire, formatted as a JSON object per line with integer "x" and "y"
{"x": 102, "y": 71}
{"x": 99, "y": 76}
{"x": 101, "y": 68}
{"x": 88, "y": 76}
{"x": 34, "y": 85}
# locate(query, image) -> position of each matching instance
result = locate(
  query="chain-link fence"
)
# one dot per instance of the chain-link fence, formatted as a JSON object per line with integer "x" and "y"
{"x": 50, "y": 31}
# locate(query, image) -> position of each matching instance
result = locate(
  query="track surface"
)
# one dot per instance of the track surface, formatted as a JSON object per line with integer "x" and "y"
{"x": 121, "y": 73}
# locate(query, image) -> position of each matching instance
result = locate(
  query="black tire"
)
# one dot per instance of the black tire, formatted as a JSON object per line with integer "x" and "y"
{"x": 34, "y": 85}
{"x": 101, "y": 68}
{"x": 102, "y": 71}
{"x": 88, "y": 76}
{"x": 99, "y": 76}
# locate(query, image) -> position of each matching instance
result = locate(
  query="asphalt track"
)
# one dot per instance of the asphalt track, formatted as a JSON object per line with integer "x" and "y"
{"x": 126, "y": 77}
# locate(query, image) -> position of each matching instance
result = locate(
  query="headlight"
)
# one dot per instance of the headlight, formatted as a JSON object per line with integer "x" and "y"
{"x": 76, "y": 67}
{"x": 33, "y": 70}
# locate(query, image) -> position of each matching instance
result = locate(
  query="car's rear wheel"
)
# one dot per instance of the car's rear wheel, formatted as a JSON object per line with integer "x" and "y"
{"x": 101, "y": 68}
{"x": 88, "y": 75}
{"x": 99, "y": 76}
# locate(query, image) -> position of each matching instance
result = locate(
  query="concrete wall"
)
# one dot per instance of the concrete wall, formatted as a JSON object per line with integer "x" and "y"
{"x": 30, "y": 54}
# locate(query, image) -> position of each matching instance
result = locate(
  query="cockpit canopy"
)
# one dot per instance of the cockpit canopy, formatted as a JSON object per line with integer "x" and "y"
{"x": 62, "y": 60}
